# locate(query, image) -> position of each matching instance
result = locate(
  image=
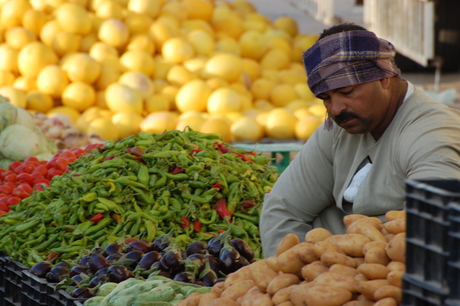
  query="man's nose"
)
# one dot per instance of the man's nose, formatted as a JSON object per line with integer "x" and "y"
{"x": 335, "y": 107}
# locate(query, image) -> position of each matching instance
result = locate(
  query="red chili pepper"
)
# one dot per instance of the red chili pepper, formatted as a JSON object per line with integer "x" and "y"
{"x": 197, "y": 226}
{"x": 213, "y": 234}
{"x": 97, "y": 218}
{"x": 217, "y": 185}
{"x": 221, "y": 231}
{"x": 243, "y": 157}
{"x": 185, "y": 223}
{"x": 138, "y": 151}
{"x": 109, "y": 157}
{"x": 193, "y": 151}
{"x": 247, "y": 203}
{"x": 129, "y": 240}
{"x": 222, "y": 147}
{"x": 176, "y": 170}
{"x": 51, "y": 256}
{"x": 221, "y": 208}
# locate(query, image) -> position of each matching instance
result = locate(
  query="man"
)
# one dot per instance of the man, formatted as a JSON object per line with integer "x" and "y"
{"x": 380, "y": 131}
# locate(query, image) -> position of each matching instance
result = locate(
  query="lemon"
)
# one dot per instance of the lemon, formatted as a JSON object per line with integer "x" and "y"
{"x": 157, "y": 103}
{"x": 217, "y": 125}
{"x": 197, "y": 24}
{"x": 113, "y": 32}
{"x": 138, "y": 23}
{"x": 65, "y": 42}
{"x": 12, "y": 12}
{"x": 24, "y": 83}
{"x": 300, "y": 44}
{"x": 78, "y": 95}
{"x": 287, "y": 24}
{"x": 87, "y": 41}
{"x": 161, "y": 32}
{"x": 201, "y": 41}
{"x": 263, "y": 105}
{"x": 122, "y": 98}
{"x": 224, "y": 100}
{"x": 104, "y": 128}
{"x": 33, "y": 20}
{"x": 18, "y": 37}
{"x": 39, "y": 101}
{"x": 301, "y": 112}
{"x": 246, "y": 129}
{"x": 280, "y": 124}
{"x": 252, "y": 44}
{"x": 139, "y": 81}
{"x": 304, "y": 91}
{"x": 81, "y": 67}
{"x": 161, "y": 68}
{"x": 8, "y": 58}
{"x": 224, "y": 65}
{"x": 292, "y": 76}
{"x": 150, "y": 8}
{"x": 137, "y": 60}
{"x": 109, "y": 9}
{"x": 228, "y": 44}
{"x": 73, "y": 18}
{"x": 110, "y": 73}
{"x": 49, "y": 31}
{"x": 275, "y": 59}
{"x": 100, "y": 51}
{"x": 243, "y": 7}
{"x": 51, "y": 80}
{"x": 33, "y": 57}
{"x": 195, "y": 65}
{"x": 142, "y": 42}
{"x": 159, "y": 122}
{"x": 72, "y": 113}
{"x": 127, "y": 123}
{"x": 198, "y": 9}
{"x": 317, "y": 110}
{"x": 193, "y": 96}
{"x": 297, "y": 104}
{"x": 216, "y": 82}
{"x": 251, "y": 68}
{"x": 88, "y": 115}
{"x": 177, "y": 50}
{"x": 100, "y": 99}
{"x": 306, "y": 126}
{"x": 191, "y": 119}
{"x": 16, "y": 96}
{"x": 178, "y": 75}
{"x": 229, "y": 24}
{"x": 261, "y": 88}
{"x": 233, "y": 116}
{"x": 282, "y": 94}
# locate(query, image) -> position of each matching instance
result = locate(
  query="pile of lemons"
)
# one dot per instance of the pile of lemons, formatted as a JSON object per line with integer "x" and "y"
{"x": 117, "y": 67}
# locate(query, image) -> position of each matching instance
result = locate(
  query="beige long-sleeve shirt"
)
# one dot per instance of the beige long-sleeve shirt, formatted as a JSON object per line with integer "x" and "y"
{"x": 422, "y": 142}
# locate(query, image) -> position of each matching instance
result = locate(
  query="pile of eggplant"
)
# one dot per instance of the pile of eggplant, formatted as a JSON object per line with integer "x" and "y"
{"x": 199, "y": 263}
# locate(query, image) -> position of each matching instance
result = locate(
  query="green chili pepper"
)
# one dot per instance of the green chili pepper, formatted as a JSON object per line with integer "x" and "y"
{"x": 151, "y": 230}
{"x": 211, "y": 220}
{"x": 201, "y": 200}
{"x": 45, "y": 244}
{"x": 167, "y": 215}
{"x": 34, "y": 241}
{"x": 252, "y": 219}
{"x": 99, "y": 226}
{"x": 176, "y": 205}
{"x": 66, "y": 249}
{"x": 135, "y": 229}
{"x": 82, "y": 227}
{"x": 25, "y": 226}
{"x": 143, "y": 175}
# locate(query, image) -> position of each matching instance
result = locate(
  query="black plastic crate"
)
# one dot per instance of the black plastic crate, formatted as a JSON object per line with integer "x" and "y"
{"x": 34, "y": 288}
{"x": 27, "y": 300}
{"x": 13, "y": 280}
{"x": 67, "y": 300}
{"x": 3, "y": 263}
{"x": 419, "y": 293}
{"x": 2, "y": 294}
{"x": 454, "y": 232}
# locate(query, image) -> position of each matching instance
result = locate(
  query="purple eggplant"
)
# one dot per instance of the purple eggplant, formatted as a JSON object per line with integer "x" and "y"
{"x": 149, "y": 259}
{"x": 243, "y": 248}
{"x": 213, "y": 263}
{"x": 97, "y": 280}
{"x": 208, "y": 276}
{"x": 113, "y": 248}
{"x": 185, "y": 277}
{"x": 140, "y": 245}
{"x": 102, "y": 271}
{"x": 196, "y": 247}
{"x": 171, "y": 259}
{"x": 162, "y": 242}
{"x": 76, "y": 270}
{"x": 57, "y": 273}
{"x": 96, "y": 261}
{"x": 113, "y": 257}
{"x": 118, "y": 273}
{"x": 217, "y": 243}
{"x": 81, "y": 293}
{"x": 228, "y": 258}
{"x": 41, "y": 268}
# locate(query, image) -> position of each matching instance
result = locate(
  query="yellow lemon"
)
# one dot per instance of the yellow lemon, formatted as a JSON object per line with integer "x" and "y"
{"x": 202, "y": 42}
{"x": 246, "y": 129}
{"x": 138, "y": 23}
{"x": 287, "y": 24}
{"x": 297, "y": 104}
{"x": 16, "y": 96}
{"x": 104, "y": 128}
{"x": 127, "y": 123}
{"x": 198, "y": 9}
{"x": 197, "y": 24}
{"x": 170, "y": 91}
{"x": 33, "y": 57}
{"x": 263, "y": 105}
{"x": 161, "y": 32}
{"x": 142, "y": 42}
{"x": 24, "y": 83}
{"x": 159, "y": 122}
{"x": 161, "y": 68}
{"x": 48, "y": 32}
{"x": 12, "y": 12}
{"x": 280, "y": 124}
{"x": 82, "y": 68}
{"x": 33, "y": 20}
{"x": 193, "y": 96}
{"x": 100, "y": 51}
{"x": 150, "y": 8}
{"x": 51, "y": 80}
{"x": 138, "y": 60}
{"x": 122, "y": 98}
{"x": 304, "y": 91}
{"x": 191, "y": 119}
{"x": 87, "y": 41}
{"x": 139, "y": 81}
{"x": 110, "y": 73}
{"x": 113, "y": 32}
{"x": 18, "y": 37}
{"x": 175, "y": 9}
{"x": 251, "y": 68}
{"x": 65, "y": 42}
{"x": 292, "y": 76}
{"x": 87, "y": 116}
{"x": 243, "y": 7}
{"x": 223, "y": 65}
{"x": 224, "y": 100}
{"x": 177, "y": 50}
{"x": 317, "y": 110}
{"x": 109, "y": 9}
{"x": 178, "y": 75}
{"x": 217, "y": 125}
{"x": 275, "y": 59}
{"x": 78, "y": 95}
{"x": 72, "y": 113}
{"x": 39, "y": 101}
{"x": 230, "y": 24}
{"x": 233, "y": 116}
{"x": 73, "y": 18}
{"x": 157, "y": 103}
{"x": 195, "y": 65}
{"x": 216, "y": 82}
{"x": 306, "y": 126}
{"x": 261, "y": 88}
{"x": 227, "y": 44}
{"x": 301, "y": 112}
{"x": 8, "y": 58}
{"x": 252, "y": 44}
{"x": 100, "y": 99}
{"x": 282, "y": 94}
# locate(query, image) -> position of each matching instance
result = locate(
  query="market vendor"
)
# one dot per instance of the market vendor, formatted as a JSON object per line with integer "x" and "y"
{"x": 380, "y": 131}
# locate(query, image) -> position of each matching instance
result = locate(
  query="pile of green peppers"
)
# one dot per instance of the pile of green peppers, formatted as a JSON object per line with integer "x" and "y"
{"x": 142, "y": 187}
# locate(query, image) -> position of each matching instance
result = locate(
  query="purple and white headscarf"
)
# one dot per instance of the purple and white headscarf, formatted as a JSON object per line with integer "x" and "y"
{"x": 348, "y": 58}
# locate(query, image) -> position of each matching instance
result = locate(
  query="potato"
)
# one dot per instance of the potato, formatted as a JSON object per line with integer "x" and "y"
{"x": 321, "y": 295}
{"x": 360, "y": 277}
{"x": 191, "y": 300}
{"x": 395, "y": 214}
{"x": 238, "y": 289}
{"x": 330, "y": 258}
{"x": 359, "y": 303}
{"x": 282, "y": 281}
{"x": 396, "y": 266}
{"x": 290, "y": 262}
{"x": 394, "y": 278}
{"x": 358, "y": 261}
{"x": 375, "y": 222}
{"x": 349, "y": 219}
{"x": 323, "y": 246}
{"x": 306, "y": 252}
{"x": 369, "y": 227}
{"x": 338, "y": 280}
{"x": 317, "y": 234}
{"x": 272, "y": 262}
{"x": 281, "y": 295}
{"x": 240, "y": 275}
{"x": 298, "y": 292}
{"x": 261, "y": 274}
{"x": 388, "y": 291}
{"x": 246, "y": 300}
{"x": 286, "y": 243}
{"x": 384, "y": 232}
{"x": 218, "y": 288}
{"x": 287, "y": 303}
{"x": 262, "y": 300}
{"x": 311, "y": 271}
{"x": 396, "y": 250}
{"x": 389, "y": 237}
{"x": 396, "y": 226}
{"x": 206, "y": 298}
{"x": 372, "y": 244}
{"x": 373, "y": 270}
{"x": 223, "y": 302}
{"x": 400, "y": 235}
{"x": 342, "y": 269}
{"x": 377, "y": 255}
{"x": 350, "y": 244}
{"x": 367, "y": 288}
{"x": 386, "y": 302}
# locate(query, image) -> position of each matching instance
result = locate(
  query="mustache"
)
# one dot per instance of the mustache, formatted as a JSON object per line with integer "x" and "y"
{"x": 344, "y": 116}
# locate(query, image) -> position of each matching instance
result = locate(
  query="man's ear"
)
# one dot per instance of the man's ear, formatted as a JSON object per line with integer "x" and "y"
{"x": 385, "y": 83}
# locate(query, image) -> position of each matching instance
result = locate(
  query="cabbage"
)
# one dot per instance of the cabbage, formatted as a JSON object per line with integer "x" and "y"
{"x": 46, "y": 145}
{"x": 25, "y": 118}
{"x": 8, "y": 113}
{"x": 5, "y": 163}
{"x": 18, "y": 142}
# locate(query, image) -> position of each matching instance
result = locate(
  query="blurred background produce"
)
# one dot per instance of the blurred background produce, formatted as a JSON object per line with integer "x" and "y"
{"x": 116, "y": 67}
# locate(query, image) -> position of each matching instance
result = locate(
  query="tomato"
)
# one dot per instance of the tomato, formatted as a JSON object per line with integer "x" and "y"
{"x": 92, "y": 146}
{"x": 4, "y": 200}
{"x": 20, "y": 193}
{"x": 61, "y": 164}
{"x": 26, "y": 187}
{"x": 69, "y": 156}
{"x": 26, "y": 168}
{"x": 24, "y": 177}
{"x": 2, "y": 212}
{"x": 53, "y": 172}
{"x": 41, "y": 181}
{"x": 11, "y": 184}
{"x": 52, "y": 162}
{"x": 14, "y": 165}
{"x": 13, "y": 201}
{"x": 77, "y": 151}
{"x": 41, "y": 170}
{"x": 38, "y": 176}
{"x": 4, "y": 174}
{"x": 11, "y": 178}
{"x": 6, "y": 189}
{"x": 31, "y": 159}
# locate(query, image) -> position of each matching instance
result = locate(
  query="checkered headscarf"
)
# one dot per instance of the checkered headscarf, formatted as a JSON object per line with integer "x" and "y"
{"x": 348, "y": 58}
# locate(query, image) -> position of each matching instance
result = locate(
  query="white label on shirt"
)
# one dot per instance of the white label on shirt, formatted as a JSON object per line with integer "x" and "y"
{"x": 350, "y": 193}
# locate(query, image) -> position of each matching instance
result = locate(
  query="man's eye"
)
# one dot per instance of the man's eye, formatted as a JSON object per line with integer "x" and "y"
{"x": 347, "y": 92}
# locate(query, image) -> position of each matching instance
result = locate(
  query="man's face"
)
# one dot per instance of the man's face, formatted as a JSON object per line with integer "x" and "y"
{"x": 359, "y": 108}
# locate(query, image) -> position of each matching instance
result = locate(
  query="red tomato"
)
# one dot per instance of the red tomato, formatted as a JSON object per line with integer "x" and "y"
{"x": 4, "y": 174}
{"x": 11, "y": 178}
{"x": 6, "y": 189}
{"x": 77, "y": 151}
{"x": 26, "y": 187}
{"x": 41, "y": 181}
{"x": 53, "y": 172}
{"x": 4, "y": 200}
{"x": 24, "y": 177}
{"x": 61, "y": 164}
{"x": 2, "y": 212}
{"x": 40, "y": 169}
{"x": 39, "y": 176}
{"x": 52, "y": 162}
{"x": 13, "y": 201}
{"x": 69, "y": 156}
{"x": 4, "y": 207}
{"x": 26, "y": 168}
{"x": 11, "y": 184}
{"x": 14, "y": 165}
{"x": 20, "y": 193}
{"x": 31, "y": 159}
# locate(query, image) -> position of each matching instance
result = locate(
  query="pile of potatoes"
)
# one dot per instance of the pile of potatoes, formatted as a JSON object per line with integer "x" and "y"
{"x": 360, "y": 268}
